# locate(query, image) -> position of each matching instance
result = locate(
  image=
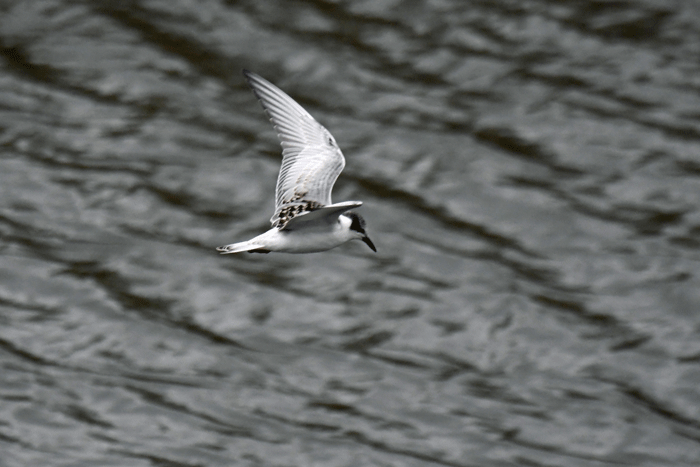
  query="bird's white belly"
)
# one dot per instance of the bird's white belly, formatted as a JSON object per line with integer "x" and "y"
{"x": 302, "y": 241}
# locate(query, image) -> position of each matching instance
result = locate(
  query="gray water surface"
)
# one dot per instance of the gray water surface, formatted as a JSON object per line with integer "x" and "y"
{"x": 530, "y": 173}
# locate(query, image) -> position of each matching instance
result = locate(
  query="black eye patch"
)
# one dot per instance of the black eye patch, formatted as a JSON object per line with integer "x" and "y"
{"x": 358, "y": 223}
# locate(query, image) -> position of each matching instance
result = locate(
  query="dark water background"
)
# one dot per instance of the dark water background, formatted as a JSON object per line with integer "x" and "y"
{"x": 531, "y": 177}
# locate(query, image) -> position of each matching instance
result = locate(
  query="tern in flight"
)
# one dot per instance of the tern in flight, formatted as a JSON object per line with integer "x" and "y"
{"x": 305, "y": 218}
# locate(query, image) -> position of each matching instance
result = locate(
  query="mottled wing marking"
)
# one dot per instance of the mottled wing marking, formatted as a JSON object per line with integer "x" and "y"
{"x": 293, "y": 209}
{"x": 311, "y": 213}
{"x": 311, "y": 159}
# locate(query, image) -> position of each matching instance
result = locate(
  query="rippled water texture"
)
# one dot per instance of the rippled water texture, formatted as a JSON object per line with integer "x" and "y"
{"x": 531, "y": 178}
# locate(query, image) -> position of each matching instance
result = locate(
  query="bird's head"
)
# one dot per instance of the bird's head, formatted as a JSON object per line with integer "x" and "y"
{"x": 357, "y": 226}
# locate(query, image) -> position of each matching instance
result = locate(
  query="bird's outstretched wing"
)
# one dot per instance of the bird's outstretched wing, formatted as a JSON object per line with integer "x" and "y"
{"x": 311, "y": 159}
{"x": 320, "y": 216}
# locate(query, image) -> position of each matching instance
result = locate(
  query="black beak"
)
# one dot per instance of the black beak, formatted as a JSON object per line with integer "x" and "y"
{"x": 369, "y": 243}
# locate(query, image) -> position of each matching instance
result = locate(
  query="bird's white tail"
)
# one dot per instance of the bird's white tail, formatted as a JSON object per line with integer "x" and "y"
{"x": 242, "y": 246}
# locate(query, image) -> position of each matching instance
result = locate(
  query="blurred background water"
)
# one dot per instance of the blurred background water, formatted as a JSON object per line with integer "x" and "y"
{"x": 531, "y": 177}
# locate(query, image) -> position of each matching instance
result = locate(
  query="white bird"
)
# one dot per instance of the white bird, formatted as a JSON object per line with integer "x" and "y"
{"x": 305, "y": 219}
